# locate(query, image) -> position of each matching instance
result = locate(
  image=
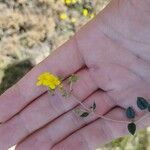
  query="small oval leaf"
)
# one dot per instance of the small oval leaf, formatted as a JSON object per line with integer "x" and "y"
{"x": 132, "y": 128}
{"x": 84, "y": 114}
{"x": 142, "y": 103}
{"x": 94, "y": 106}
{"x": 130, "y": 113}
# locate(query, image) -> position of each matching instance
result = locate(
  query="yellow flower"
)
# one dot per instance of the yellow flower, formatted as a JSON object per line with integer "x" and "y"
{"x": 73, "y": 20}
{"x": 68, "y": 2}
{"x": 63, "y": 16}
{"x": 85, "y": 12}
{"x": 49, "y": 80}
{"x": 92, "y": 15}
{"x": 74, "y": 1}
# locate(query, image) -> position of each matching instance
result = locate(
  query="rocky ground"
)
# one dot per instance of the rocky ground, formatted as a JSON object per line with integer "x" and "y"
{"x": 31, "y": 29}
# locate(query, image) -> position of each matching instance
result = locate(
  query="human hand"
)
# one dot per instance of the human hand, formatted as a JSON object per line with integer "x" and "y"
{"x": 111, "y": 57}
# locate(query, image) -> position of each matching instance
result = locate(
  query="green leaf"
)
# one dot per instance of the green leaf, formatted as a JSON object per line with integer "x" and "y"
{"x": 84, "y": 114}
{"x": 73, "y": 78}
{"x": 132, "y": 128}
{"x": 130, "y": 113}
{"x": 94, "y": 106}
{"x": 142, "y": 103}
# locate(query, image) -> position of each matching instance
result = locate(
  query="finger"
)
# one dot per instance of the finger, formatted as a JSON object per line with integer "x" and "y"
{"x": 26, "y": 90}
{"x": 96, "y": 134}
{"x": 43, "y": 110}
{"x": 66, "y": 124}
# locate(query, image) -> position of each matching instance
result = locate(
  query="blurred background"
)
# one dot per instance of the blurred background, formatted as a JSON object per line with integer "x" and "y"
{"x": 31, "y": 29}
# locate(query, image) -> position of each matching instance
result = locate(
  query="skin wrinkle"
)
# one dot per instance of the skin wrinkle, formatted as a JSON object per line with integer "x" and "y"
{"x": 137, "y": 56}
{"x": 23, "y": 98}
{"x": 118, "y": 4}
{"x": 24, "y": 123}
{"x": 124, "y": 130}
{"x": 131, "y": 71}
{"x": 122, "y": 66}
{"x": 93, "y": 80}
{"x": 124, "y": 38}
{"x": 108, "y": 133}
{"x": 128, "y": 51}
{"x": 135, "y": 2}
{"x": 50, "y": 139}
{"x": 18, "y": 93}
{"x": 95, "y": 67}
{"x": 54, "y": 102}
{"x": 76, "y": 97}
{"x": 127, "y": 39}
{"x": 78, "y": 49}
{"x": 114, "y": 31}
{"x": 110, "y": 98}
{"x": 85, "y": 140}
{"x": 86, "y": 84}
{"x": 54, "y": 142}
{"x": 74, "y": 118}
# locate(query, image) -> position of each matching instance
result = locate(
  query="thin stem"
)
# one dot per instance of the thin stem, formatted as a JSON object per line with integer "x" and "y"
{"x": 70, "y": 88}
{"x": 101, "y": 116}
{"x": 143, "y": 117}
{"x": 82, "y": 105}
{"x": 110, "y": 119}
{"x": 98, "y": 115}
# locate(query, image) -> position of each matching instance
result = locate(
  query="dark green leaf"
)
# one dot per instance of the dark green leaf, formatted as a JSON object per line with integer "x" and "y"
{"x": 132, "y": 128}
{"x": 130, "y": 113}
{"x": 84, "y": 114}
{"x": 94, "y": 106}
{"x": 149, "y": 107}
{"x": 142, "y": 103}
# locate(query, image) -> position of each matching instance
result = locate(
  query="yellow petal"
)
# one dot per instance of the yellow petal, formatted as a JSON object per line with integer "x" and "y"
{"x": 85, "y": 12}
{"x": 52, "y": 86}
{"x": 38, "y": 83}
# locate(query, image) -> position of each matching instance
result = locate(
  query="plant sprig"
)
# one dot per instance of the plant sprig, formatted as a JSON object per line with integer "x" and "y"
{"x": 142, "y": 104}
{"x": 85, "y": 111}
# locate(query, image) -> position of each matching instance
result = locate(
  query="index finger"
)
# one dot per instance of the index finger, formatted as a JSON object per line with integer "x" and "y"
{"x": 63, "y": 61}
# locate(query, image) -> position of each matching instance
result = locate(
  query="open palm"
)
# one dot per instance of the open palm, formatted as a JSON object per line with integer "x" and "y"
{"x": 112, "y": 59}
